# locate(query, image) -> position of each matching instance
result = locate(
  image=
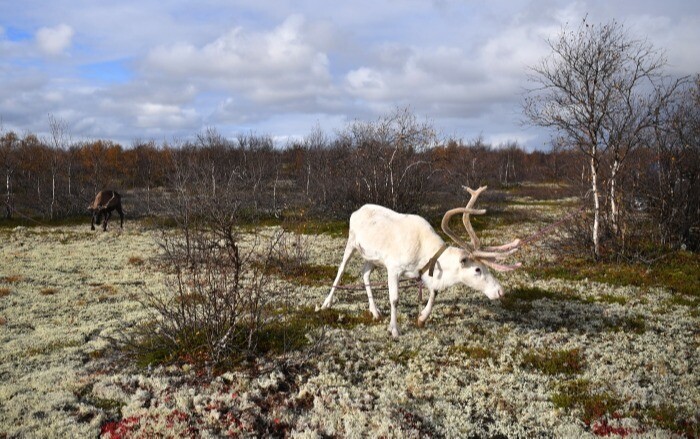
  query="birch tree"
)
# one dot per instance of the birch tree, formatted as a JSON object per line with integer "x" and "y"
{"x": 58, "y": 129}
{"x": 9, "y": 143}
{"x": 595, "y": 90}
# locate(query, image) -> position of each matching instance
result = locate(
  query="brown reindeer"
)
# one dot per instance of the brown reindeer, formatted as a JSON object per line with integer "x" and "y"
{"x": 105, "y": 202}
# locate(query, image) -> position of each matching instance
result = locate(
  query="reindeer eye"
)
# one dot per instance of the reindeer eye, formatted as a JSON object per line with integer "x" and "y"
{"x": 477, "y": 270}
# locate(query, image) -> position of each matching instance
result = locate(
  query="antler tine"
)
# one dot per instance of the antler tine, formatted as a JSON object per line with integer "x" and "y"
{"x": 500, "y": 267}
{"x": 505, "y": 247}
{"x": 465, "y": 217}
{"x": 448, "y": 231}
{"x": 488, "y": 255}
{"x": 494, "y": 254}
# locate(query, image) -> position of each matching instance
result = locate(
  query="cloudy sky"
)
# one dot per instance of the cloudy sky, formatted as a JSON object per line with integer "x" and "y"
{"x": 166, "y": 69}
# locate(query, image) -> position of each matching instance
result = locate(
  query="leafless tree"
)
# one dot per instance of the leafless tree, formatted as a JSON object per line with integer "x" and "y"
{"x": 58, "y": 142}
{"x": 390, "y": 162}
{"x": 598, "y": 90}
{"x": 9, "y": 143}
{"x": 672, "y": 185}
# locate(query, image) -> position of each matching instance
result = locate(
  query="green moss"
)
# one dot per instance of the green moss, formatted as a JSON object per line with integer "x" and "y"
{"x": 672, "y": 418}
{"x": 35, "y": 221}
{"x": 635, "y": 324}
{"x": 579, "y": 395}
{"x": 609, "y": 298}
{"x": 284, "y": 331}
{"x": 308, "y": 274}
{"x": 334, "y": 228}
{"x": 679, "y": 272}
{"x": 680, "y": 300}
{"x": 288, "y": 333}
{"x": 108, "y": 405}
{"x": 554, "y": 362}
{"x": 403, "y": 356}
{"x": 533, "y": 293}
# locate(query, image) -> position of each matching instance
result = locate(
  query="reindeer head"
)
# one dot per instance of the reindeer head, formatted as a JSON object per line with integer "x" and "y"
{"x": 473, "y": 259}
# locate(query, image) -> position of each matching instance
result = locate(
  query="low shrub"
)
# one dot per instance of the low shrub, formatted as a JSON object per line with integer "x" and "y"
{"x": 554, "y": 362}
{"x": 591, "y": 405}
{"x": 679, "y": 271}
{"x": 135, "y": 261}
{"x": 11, "y": 279}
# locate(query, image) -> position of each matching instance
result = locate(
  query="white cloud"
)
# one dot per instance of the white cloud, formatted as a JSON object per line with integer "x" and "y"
{"x": 151, "y": 114}
{"x": 280, "y": 65}
{"x": 366, "y": 81}
{"x": 54, "y": 40}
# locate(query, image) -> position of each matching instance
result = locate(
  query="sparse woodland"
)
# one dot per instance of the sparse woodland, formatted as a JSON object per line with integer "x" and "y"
{"x": 396, "y": 161}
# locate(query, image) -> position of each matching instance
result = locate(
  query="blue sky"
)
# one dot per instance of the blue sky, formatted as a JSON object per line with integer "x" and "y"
{"x": 163, "y": 70}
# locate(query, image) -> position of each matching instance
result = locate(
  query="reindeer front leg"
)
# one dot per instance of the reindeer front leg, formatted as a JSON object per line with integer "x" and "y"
{"x": 423, "y": 316}
{"x": 92, "y": 223}
{"x": 349, "y": 250}
{"x": 393, "y": 301}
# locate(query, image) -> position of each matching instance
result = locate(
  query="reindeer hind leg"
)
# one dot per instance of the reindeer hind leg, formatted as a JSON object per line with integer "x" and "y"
{"x": 366, "y": 272}
{"x": 121, "y": 217}
{"x": 108, "y": 214}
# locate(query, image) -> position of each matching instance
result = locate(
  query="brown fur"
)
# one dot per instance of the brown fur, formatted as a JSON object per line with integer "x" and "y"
{"x": 105, "y": 202}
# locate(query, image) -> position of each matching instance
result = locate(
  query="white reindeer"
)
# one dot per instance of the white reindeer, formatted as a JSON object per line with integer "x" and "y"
{"x": 406, "y": 245}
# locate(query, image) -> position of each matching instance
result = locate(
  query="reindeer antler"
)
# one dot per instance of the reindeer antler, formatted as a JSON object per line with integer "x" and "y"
{"x": 488, "y": 255}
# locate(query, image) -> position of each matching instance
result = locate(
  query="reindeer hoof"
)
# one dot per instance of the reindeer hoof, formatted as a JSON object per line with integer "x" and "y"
{"x": 420, "y": 323}
{"x": 394, "y": 332}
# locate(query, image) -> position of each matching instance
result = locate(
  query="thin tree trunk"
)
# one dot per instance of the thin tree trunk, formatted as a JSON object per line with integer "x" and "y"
{"x": 53, "y": 194}
{"x": 596, "y": 204}
{"x": 614, "y": 214}
{"x": 213, "y": 181}
{"x": 8, "y": 208}
{"x": 69, "y": 178}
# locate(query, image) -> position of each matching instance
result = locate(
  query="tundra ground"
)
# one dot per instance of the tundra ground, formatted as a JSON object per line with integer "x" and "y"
{"x": 557, "y": 358}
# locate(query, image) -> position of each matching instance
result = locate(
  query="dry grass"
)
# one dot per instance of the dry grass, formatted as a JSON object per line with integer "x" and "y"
{"x": 5, "y": 292}
{"x": 104, "y": 288}
{"x": 136, "y": 261}
{"x": 48, "y": 291}
{"x": 11, "y": 279}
